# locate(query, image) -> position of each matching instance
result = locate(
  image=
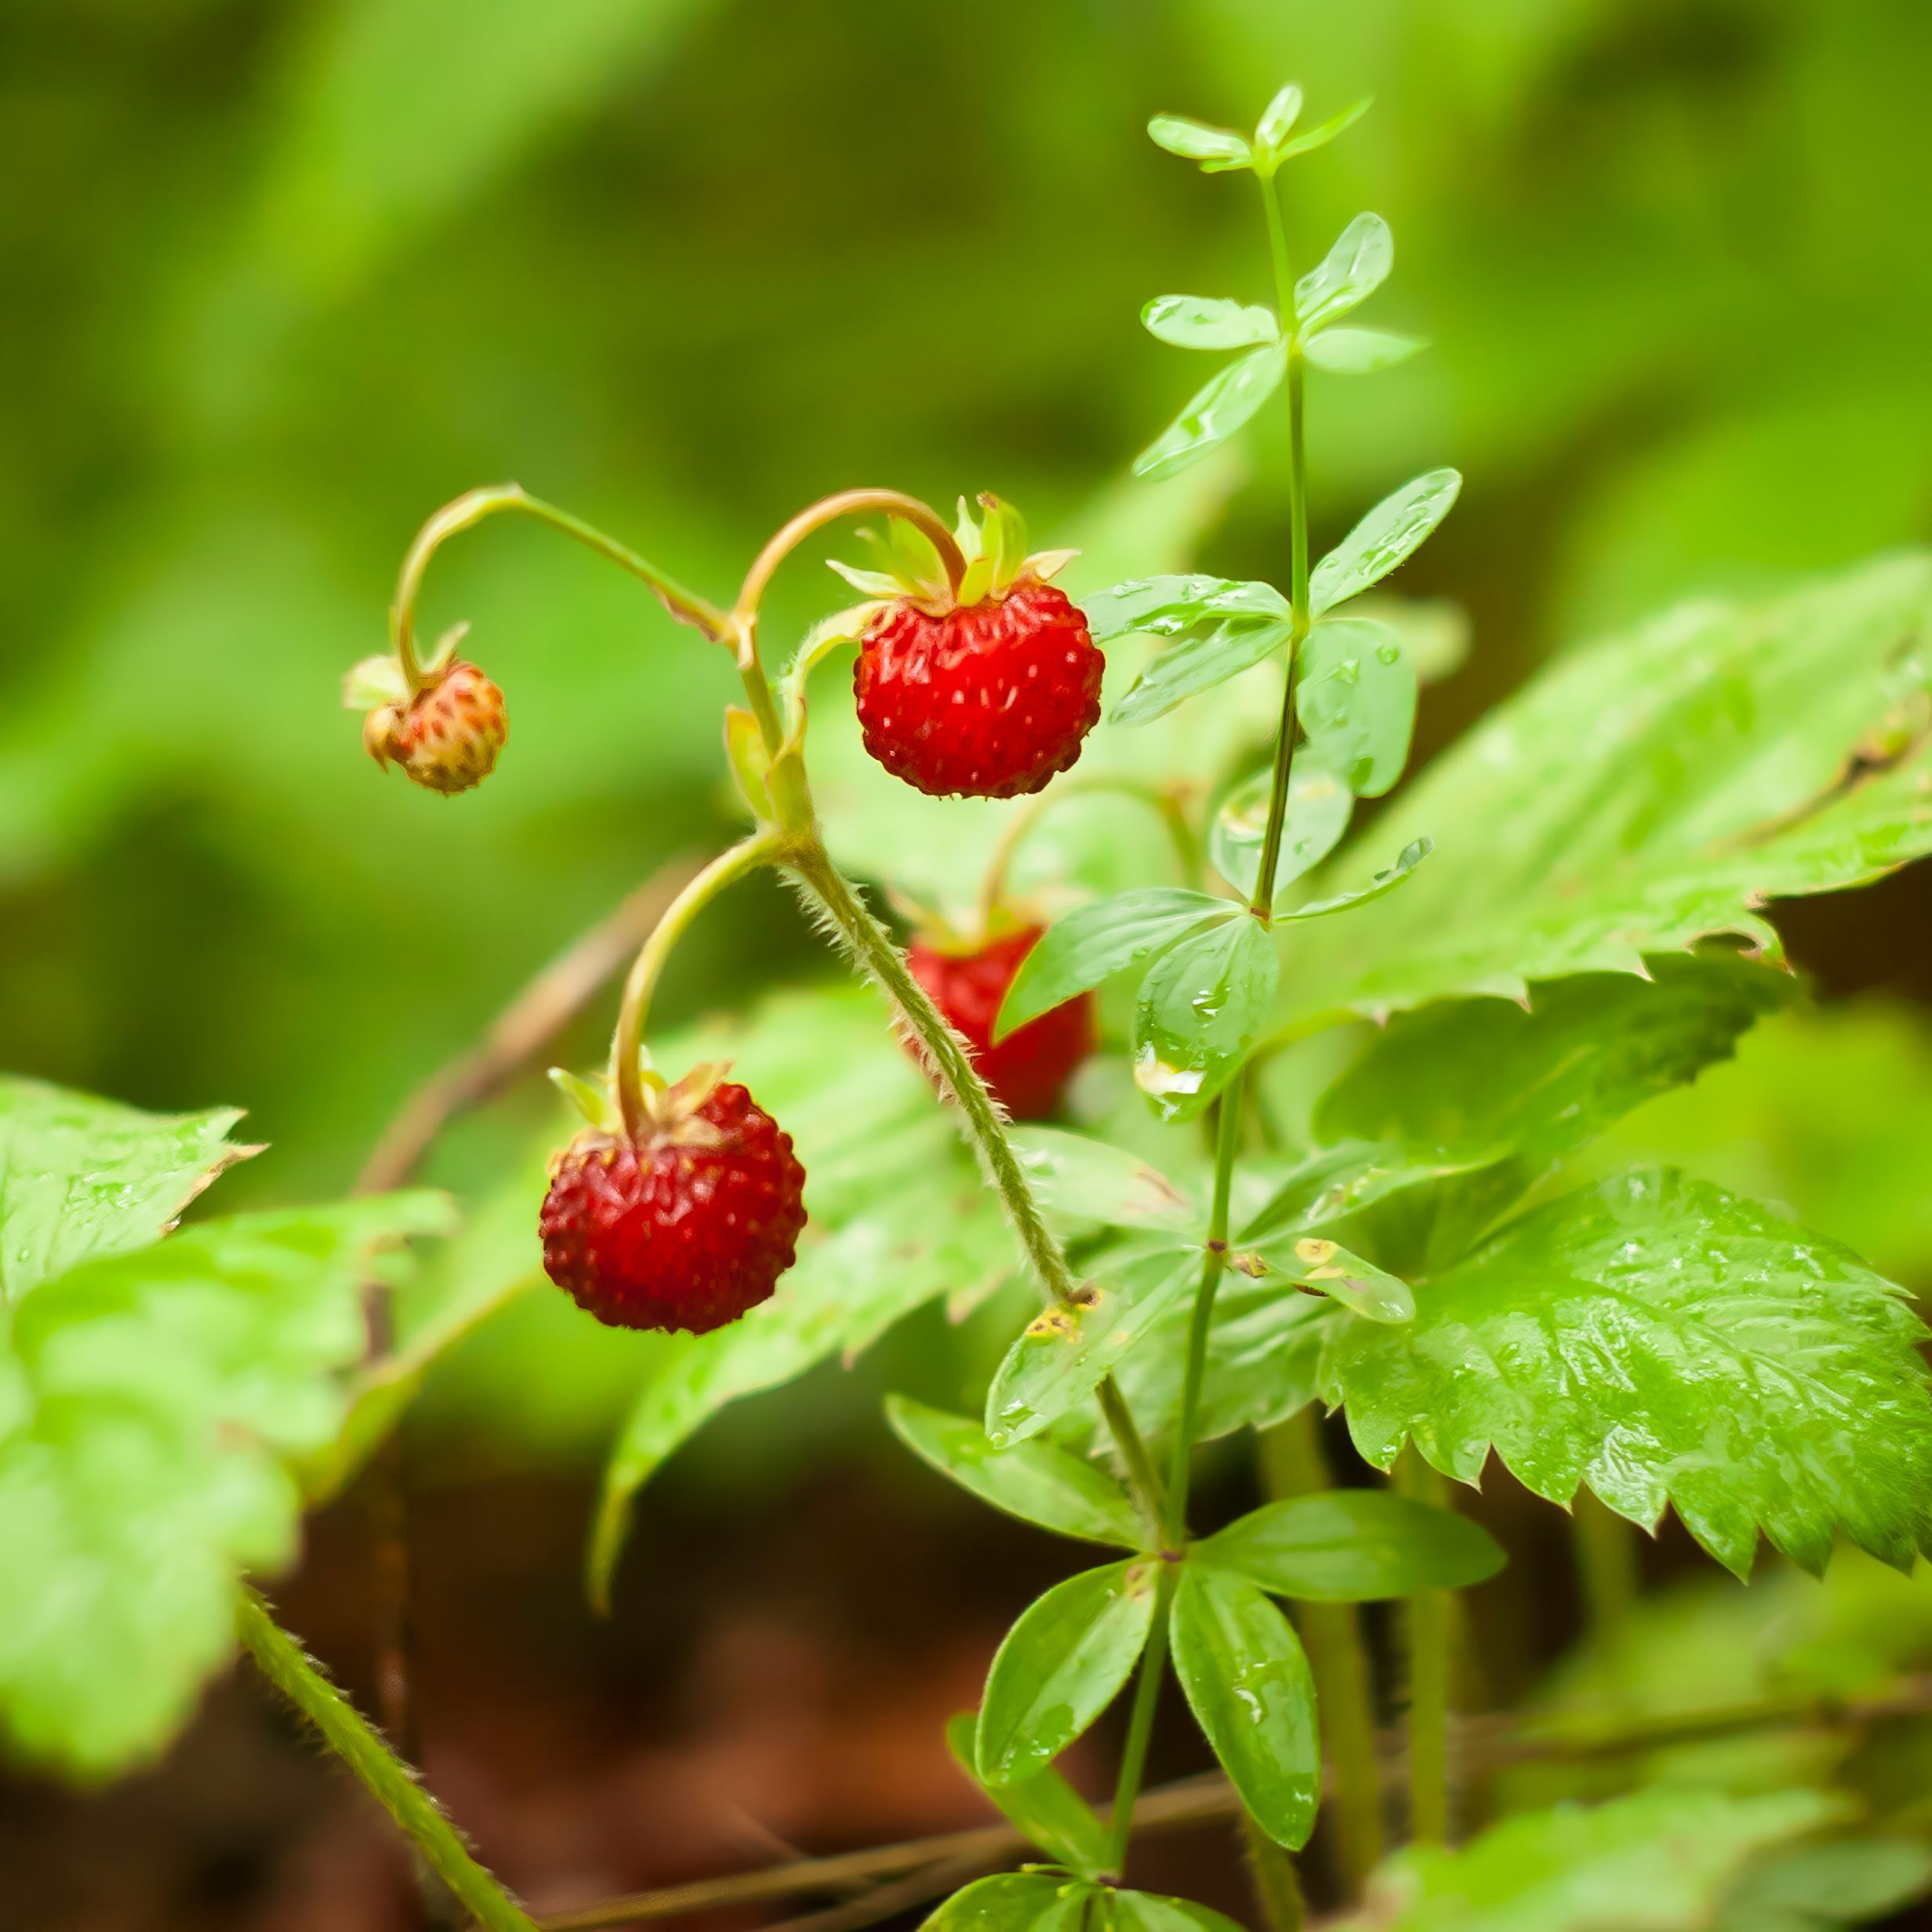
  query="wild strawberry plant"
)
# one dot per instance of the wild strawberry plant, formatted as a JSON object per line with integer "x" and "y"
{"x": 1122, "y": 958}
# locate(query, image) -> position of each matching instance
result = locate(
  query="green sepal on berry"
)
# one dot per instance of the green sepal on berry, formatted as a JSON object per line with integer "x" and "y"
{"x": 993, "y": 546}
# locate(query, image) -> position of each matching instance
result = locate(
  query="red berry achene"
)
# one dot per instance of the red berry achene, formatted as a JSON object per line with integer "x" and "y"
{"x": 986, "y": 701}
{"x": 686, "y": 1231}
{"x": 1029, "y": 1069}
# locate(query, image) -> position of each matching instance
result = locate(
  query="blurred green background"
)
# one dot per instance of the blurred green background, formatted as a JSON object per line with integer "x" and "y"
{"x": 281, "y": 279}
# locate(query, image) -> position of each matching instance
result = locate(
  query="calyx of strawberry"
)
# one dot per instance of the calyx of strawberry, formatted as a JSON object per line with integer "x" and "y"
{"x": 673, "y": 1110}
{"x": 994, "y": 546}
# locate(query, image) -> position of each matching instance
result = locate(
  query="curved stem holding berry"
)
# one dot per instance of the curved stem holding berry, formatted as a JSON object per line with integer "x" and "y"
{"x": 626, "y": 1072}
{"x": 471, "y": 509}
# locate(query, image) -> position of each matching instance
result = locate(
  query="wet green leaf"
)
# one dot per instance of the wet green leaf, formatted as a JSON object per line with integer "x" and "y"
{"x": 1654, "y": 789}
{"x": 1359, "y": 351}
{"x": 1201, "y": 321}
{"x": 1216, "y": 411}
{"x": 1032, "y": 1481}
{"x": 1061, "y": 1666}
{"x": 1341, "y": 1180}
{"x": 1665, "y": 1342}
{"x": 1217, "y": 149}
{"x": 1318, "y": 805}
{"x": 80, "y": 1177}
{"x": 1354, "y": 1546}
{"x": 1241, "y": 1665}
{"x": 1202, "y": 658}
{"x": 151, "y": 1403}
{"x": 1204, "y": 1004}
{"x": 1007, "y": 1902}
{"x": 1084, "y": 1181}
{"x": 1045, "y": 1806}
{"x": 1384, "y": 882}
{"x": 1662, "y": 1860}
{"x": 1347, "y": 276}
{"x": 1149, "y": 1911}
{"x": 1093, "y": 944}
{"x": 1384, "y": 539}
{"x": 1061, "y": 1355}
{"x": 1325, "y": 1267}
{"x": 1355, "y": 692}
{"x": 1174, "y": 606}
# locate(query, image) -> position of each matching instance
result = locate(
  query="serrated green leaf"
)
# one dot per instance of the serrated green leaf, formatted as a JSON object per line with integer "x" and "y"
{"x": 1355, "y": 692}
{"x": 1007, "y": 1902}
{"x": 1665, "y": 1342}
{"x": 1204, "y": 1004}
{"x": 1150, "y": 1912}
{"x": 1317, "y": 815}
{"x": 1093, "y": 944}
{"x": 1251, "y": 1690}
{"x": 1032, "y": 1481}
{"x": 1216, "y": 412}
{"x": 1384, "y": 539}
{"x": 1218, "y": 149}
{"x": 1347, "y": 275}
{"x": 1061, "y": 1355}
{"x": 1654, "y": 789}
{"x": 1325, "y": 1267}
{"x": 150, "y": 1401}
{"x": 1359, "y": 351}
{"x": 1353, "y": 1546}
{"x": 80, "y": 1176}
{"x": 1384, "y": 882}
{"x": 1061, "y": 1666}
{"x": 1053, "y": 1815}
{"x": 1324, "y": 131}
{"x": 1202, "y": 322}
{"x": 1661, "y": 1860}
{"x": 1085, "y": 1181}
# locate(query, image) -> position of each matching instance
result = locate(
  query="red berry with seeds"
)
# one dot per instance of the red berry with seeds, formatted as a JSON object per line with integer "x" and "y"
{"x": 1029, "y": 1069}
{"x": 685, "y": 1228}
{"x": 447, "y": 736}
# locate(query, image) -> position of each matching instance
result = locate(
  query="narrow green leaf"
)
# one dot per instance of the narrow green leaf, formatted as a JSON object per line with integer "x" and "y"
{"x": 1241, "y": 1665}
{"x": 1347, "y": 275}
{"x": 1278, "y": 117}
{"x": 1317, "y": 815}
{"x": 1080, "y": 1180}
{"x": 1354, "y": 1546}
{"x": 1007, "y": 1902}
{"x": 1355, "y": 692}
{"x": 1045, "y": 1806}
{"x": 1343, "y": 1180}
{"x": 1167, "y": 607}
{"x": 1200, "y": 661}
{"x": 1148, "y": 1912}
{"x": 1216, "y": 411}
{"x": 1665, "y": 1342}
{"x": 1324, "y": 131}
{"x": 1061, "y": 1355}
{"x": 1218, "y": 149}
{"x": 1093, "y": 944}
{"x": 1387, "y": 537}
{"x": 1361, "y": 351}
{"x": 1033, "y": 1480}
{"x": 80, "y": 1176}
{"x": 1201, "y": 321}
{"x": 1061, "y": 1666}
{"x": 1313, "y": 1261}
{"x": 1204, "y": 1003}
{"x": 1406, "y": 860}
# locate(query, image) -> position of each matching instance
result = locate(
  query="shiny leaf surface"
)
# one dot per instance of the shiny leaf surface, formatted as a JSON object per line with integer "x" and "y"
{"x": 1355, "y": 690}
{"x": 1347, "y": 275}
{"x": 1354, "y": 1546}
{"x": 1391, "y": 533}
{"x": 1080, "y": 1180}
{"x": 1216, "y": 411}
{"x": 1200, "y": 322}
{"x": 1204, "y": 1004}
{"x": 1217, "y": 149}
{"x": 1318, "y": 805}
{"x": 1384, "y": 882}
{"x": 1359, "y": 351}
{"x": 1045, "y": 1806}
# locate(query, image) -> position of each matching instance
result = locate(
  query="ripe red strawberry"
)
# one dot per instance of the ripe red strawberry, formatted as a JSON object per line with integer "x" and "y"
{"x": 1029, "y": 1069}
{"x": 983, "y": 690}
{"x": 446, "y": 737}
{"x": 684, "y": 1229}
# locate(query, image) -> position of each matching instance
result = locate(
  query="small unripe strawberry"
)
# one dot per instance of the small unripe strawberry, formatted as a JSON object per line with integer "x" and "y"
{"x": 685, "y": 1228}
{"x": 1027, "y": 1071}
{"x": 447, "y": 736}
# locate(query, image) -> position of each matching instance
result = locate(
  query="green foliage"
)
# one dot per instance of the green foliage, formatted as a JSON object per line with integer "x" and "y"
{"x": 152, "y": 1399}
{"x": 1203, "y": 1005}
{"x": 1082, "y": 1181}
{"x": 1045, "y": 1806}
{"x": 1007, "y": 1902}
{"x": 1355, "y": 693}
{"x": 1221, "y": 406}
{"x": 1665, "y": 1342}
{"x": 1033, "y": 1480}
{"x": 1847, "y": 1881}
{"x": 1660, "y": 1861}
{"x": 1385, "y": 539}
{"x": 1197, "y": 322}
{"x": 1351, "y": 1546}
{"x": 1347, "y": 276}
{"x": 1061, "y": 1666}
{"x": 1220, "y": 629}
{"x": 1249, "y": 1686}
{"x": 1317, "y": 815}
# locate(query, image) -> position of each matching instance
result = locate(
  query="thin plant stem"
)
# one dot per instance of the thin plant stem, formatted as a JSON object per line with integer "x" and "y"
{"x": 1140, "y": 1723}
{"x": 385, "y": 1776}
{"x": 1272, "y": 1876}
{"x": 1606, "y": 1567}
{"x": 1293, "y": 1465}
{"x": 1427, "y": 1620}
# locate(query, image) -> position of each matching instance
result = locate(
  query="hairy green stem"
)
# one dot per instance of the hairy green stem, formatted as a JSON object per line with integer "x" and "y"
{"x": 1428, "y": 1623}
{"x": 388, "y": 1779}
{"x": 1140, "y": 1723}
{"x": 1293, "y": 1465}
